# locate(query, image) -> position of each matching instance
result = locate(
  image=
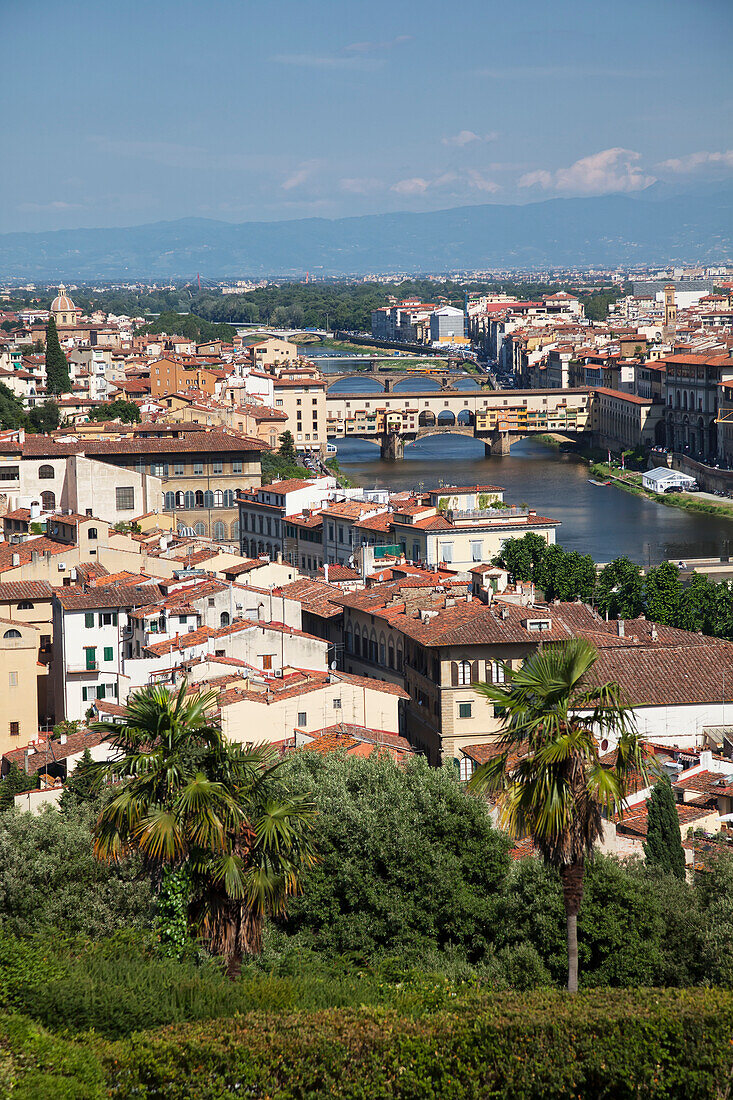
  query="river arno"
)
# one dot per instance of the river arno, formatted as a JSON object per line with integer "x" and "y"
{"x": 598, "y": 520}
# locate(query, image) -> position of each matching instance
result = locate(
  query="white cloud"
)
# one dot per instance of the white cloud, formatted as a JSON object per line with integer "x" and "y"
{"x": 468, "y": 137}
{"x": 694, "y": 161}
{"x": 449, "y": 183}
{"x": 44, "y": 207}
{"x": 360, "y": 185}
{"x": 300, "y": 176}
{"x": 479, "y": 182}
{"x": 416, "y": 185}
{"x": 328, "y": 61}
{"x": 599, "y": 174}
{"x": 377, "y": 47}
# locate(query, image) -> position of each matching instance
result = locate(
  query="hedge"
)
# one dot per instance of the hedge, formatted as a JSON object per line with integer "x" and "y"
{"x": 610, "y": 1044}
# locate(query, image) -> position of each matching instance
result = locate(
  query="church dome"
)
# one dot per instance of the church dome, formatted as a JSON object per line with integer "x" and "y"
{"x": 62, "y": 303}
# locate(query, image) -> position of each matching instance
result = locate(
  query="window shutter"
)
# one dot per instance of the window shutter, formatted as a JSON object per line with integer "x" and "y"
{"x": 89, "y": 620}
{"x": 489, "y": 673}
{"x": 454, "y": 673}
{"x": 83, "y": 695}
{"x": 474, "y": 672}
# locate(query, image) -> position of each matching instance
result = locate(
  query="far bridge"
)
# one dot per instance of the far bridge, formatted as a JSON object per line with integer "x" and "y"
{"x": 388, "y": 379}
{"x": 498, "y": 417}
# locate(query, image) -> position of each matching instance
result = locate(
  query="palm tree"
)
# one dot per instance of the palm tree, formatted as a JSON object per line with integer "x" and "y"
{"x": 188, "y": 798}
{"x": 548, "y": 778}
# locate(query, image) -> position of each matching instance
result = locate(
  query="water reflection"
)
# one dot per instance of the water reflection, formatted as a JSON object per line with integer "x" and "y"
{"x": 598, "y": 520}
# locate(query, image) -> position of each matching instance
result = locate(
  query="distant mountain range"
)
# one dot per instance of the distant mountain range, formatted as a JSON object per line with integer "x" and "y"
{"x": 655, "y": 226}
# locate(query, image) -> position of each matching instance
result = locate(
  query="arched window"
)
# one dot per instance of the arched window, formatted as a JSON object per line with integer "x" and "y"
{"x": 92, "y": 534}
{"x": 46, "y": 472}
{"x": 234, "y": 529}
{"x": 357, "y": 643}
{"x": 464, "y": 672}
{"x": 25, "y": 605}
{"x": 11, "y": 634}
{"x": 169, "y": 501}
{"x": 245, "y": 546}
{"x": 218, "y": 498}
{"x": 199, "y": 498}
{"x": 190, "y": 500}
{"x": 229, "y": 501}
{"x": 200, "y": 528}
{"x": 180, "y": 499}
{"x": 220, "y": 530}
{"x": 48, "y": 501}
{"x": 497, "y": 672}
{"x": 208, "y": 499}
{"x": 349, "y": 640}
{"x": 224, "y": 618}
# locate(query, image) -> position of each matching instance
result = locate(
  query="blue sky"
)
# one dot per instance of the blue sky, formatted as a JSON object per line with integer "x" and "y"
{"x": 143, "y": 110}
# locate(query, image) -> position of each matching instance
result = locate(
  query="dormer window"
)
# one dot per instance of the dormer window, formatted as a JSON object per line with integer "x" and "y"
{"x": 538, "y": 626}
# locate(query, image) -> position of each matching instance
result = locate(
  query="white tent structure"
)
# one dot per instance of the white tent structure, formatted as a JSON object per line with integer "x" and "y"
{"x": 661, "y": 478}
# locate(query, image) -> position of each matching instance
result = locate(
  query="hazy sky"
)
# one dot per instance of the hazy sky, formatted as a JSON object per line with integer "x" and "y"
{"x": 117, "y": 113}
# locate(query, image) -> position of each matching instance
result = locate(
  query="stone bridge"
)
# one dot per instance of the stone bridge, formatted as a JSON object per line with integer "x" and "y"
{"x": 497, "y": 417}
{"x": 388, "y": 379}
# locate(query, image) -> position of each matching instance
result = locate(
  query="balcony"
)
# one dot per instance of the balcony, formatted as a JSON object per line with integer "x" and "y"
{"x": 485, "y": 515}
{"x": 79, "y": 668}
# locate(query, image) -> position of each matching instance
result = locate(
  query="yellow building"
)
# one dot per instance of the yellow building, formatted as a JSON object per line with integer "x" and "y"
{"x": 19, "y": 683}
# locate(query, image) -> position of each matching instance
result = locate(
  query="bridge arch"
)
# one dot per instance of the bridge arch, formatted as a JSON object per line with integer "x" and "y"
{"x": 465, "y": 417}
{"x": 426, "y": 419}
{"x": 446, "y": 418}
{"x": 333, "y": 380}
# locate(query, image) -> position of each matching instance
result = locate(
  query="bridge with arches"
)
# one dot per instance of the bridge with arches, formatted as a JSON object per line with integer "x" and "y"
{"x": 388, "y": 380}
{"x": 497, "y": 417}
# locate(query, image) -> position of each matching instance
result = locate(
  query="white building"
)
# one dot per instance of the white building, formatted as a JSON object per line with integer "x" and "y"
{"x": 661, "y": 479}
{"x": 448, "y": 326}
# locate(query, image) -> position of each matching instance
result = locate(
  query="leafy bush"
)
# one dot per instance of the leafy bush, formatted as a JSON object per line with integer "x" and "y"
{"x": 615, "y": 1045}
{"x": 50, "y": 878}
{"x": 410, "y": 863}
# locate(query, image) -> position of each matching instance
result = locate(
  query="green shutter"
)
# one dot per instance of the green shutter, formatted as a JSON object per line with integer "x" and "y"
{"x": 109, "y": 653}
{"x": 100, "y": 691}
{"x": 84, "y": 695}
{"x": 114, "y": 618}
{"x": 89, "y": 620}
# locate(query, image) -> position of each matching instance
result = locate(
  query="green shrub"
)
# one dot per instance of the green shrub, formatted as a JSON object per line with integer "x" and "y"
{"x": 603, "y": 1044}
{"x": 410, "y": 863}
{"x": 50, "y": 878}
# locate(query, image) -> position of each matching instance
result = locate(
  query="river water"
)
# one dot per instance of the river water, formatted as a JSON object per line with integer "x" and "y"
{"x": 598, "y": 520}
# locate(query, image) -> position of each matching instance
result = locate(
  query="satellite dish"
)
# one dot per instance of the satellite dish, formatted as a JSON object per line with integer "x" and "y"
{"x": 334, "y": 665}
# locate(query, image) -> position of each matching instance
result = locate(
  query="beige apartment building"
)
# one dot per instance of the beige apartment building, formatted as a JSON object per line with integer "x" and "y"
{"x": 22, "y": 680}
{"x": 271, "y": 352}
{"x": 304, "y": 403}
{"x": 440, "y": 642}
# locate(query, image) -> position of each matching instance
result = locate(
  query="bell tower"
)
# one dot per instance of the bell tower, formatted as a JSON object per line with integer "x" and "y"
{"x": 670, "y": 310}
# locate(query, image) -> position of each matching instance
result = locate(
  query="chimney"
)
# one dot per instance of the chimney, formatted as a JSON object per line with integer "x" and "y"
{"x": 325, "y": 571}
{"x": 15, "y": 559}
{"x": 621, "y": 629}
{"x": 654, "y": 632}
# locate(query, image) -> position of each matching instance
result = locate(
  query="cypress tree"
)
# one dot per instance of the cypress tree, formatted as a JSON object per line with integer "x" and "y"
{"x": 663, "y": 844}
{"x": 57, "y": 366}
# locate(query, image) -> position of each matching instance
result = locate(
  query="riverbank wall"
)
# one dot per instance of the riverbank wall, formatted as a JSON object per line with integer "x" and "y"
{"x": 709, "y": 478}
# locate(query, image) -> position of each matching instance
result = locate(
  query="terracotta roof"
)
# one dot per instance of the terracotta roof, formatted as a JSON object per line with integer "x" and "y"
{"x": 11, "y": 591}
{"x": 25, "y": 550}
{"x": 667, "y": 675}
{"x": 42, "y": 446}
{"x": 630, "y": 398}
{"x": 357, "y": 741}
{"x": 314, "y": 596}
{"x": 635, "y": 820}
{"x": 107, "y": 596}
{"x": 47, "y": 751}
